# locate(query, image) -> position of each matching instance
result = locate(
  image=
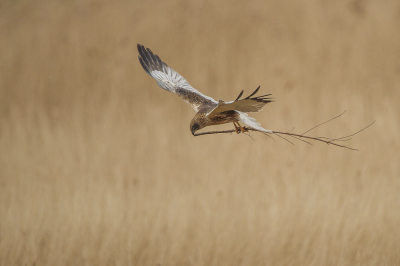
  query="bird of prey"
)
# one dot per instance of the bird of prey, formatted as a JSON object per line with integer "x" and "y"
{"x": 209, "y": 111}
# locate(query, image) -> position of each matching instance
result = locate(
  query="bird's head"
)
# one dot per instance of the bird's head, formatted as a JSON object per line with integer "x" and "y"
{"x": 194, "y": 126}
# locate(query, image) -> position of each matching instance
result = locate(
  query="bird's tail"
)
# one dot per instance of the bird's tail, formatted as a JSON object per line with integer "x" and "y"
{"x": 251, "y": 122}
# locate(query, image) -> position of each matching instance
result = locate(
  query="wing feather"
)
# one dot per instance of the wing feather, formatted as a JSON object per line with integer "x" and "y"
{"x": 246, "y": 105}
{"x": 170, "y": 80}
{"x": 251, "y": 122}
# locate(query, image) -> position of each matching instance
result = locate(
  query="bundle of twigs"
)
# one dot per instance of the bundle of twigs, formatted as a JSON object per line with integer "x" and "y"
{"x": 302, "y": 137}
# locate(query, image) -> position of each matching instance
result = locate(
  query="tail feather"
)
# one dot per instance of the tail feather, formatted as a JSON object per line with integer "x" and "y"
{"x": 251, "y": 122}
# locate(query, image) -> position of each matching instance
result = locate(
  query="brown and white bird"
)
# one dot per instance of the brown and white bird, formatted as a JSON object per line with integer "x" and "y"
{"x": 209, "y": 111}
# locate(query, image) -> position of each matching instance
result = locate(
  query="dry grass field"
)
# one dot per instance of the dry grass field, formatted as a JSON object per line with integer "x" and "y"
{"x": 98, "y": 165}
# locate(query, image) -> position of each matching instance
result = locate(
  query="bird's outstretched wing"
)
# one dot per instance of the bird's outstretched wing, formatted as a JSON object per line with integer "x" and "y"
{"x": 170, "y": 80}
{"x": 247, "y": 105}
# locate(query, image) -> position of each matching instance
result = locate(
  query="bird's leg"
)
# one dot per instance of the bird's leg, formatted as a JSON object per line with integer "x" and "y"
{"x": 237, "y": 128}
{"x": 242, "y": 128}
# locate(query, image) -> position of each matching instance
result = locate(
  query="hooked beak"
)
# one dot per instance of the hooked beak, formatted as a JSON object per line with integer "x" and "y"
{"x": 194, "y": 128}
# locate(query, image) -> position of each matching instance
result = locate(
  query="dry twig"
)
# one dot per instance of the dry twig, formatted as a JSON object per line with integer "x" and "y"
{"x": 299, "y": 136}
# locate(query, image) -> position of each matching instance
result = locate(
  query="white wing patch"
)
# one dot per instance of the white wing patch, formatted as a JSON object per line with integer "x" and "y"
{"x": 251, "y": 122}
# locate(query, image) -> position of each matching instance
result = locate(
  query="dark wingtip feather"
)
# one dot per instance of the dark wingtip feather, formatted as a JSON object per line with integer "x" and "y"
{"x": 141, "y": 49}
{"x": 264, "y": 100}
{"x": 262, "y": 96}
{"x": 145, "y": 67}
{"x": 248, "y": 97}
{"x": 240, "y": 95}
{"x": 148, "y": 60}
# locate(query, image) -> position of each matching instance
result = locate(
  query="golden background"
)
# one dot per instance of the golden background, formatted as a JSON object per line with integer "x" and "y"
{"x": 98, "y": 165}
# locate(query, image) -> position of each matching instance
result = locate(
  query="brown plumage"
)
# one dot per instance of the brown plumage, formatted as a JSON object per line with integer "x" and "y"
{"x": 209, "y": 111}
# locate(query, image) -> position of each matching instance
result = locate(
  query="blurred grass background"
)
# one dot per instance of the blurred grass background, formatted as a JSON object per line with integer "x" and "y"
{"x": 98, "y": 165}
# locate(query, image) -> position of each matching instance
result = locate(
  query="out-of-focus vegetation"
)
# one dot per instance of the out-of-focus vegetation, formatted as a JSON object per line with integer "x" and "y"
{"x": 98, "y": 165}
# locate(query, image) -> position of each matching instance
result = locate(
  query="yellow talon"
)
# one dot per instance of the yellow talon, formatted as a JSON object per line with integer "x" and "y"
{"x": 238, "y": 129}
{"x": 242, "y": 128}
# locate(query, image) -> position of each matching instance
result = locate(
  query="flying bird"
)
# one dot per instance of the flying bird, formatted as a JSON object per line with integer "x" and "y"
{"x": 209, "y": 111}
